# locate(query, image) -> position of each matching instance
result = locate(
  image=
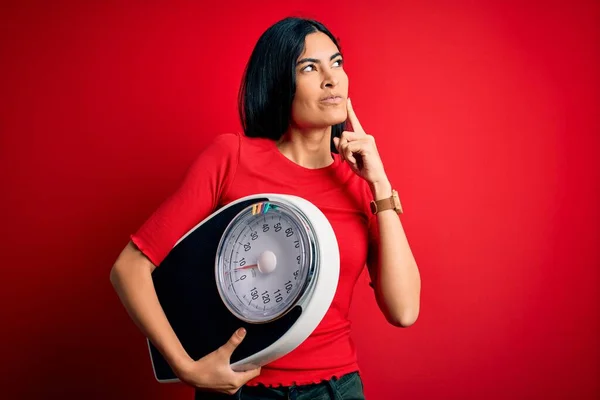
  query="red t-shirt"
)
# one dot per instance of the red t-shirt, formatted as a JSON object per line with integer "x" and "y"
{"x": 234, "y": 166}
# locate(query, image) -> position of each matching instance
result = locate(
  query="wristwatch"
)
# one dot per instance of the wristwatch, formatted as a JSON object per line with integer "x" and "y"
{"x": 392, "y": 202}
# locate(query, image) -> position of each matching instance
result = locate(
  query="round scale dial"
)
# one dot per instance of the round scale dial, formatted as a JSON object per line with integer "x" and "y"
{"x": 265, "y": 261}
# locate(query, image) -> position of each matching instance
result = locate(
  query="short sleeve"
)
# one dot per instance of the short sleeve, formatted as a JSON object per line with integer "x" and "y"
{"x": 198, "y": 196}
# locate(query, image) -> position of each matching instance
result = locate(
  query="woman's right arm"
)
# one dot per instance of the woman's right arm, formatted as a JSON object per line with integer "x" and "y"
{"x": 131, "y": 277}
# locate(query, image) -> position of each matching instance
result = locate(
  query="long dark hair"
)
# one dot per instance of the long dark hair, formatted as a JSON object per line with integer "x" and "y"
{"x": 269, "y": 83}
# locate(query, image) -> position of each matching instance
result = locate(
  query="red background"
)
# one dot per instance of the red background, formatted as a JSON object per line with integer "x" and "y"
{"x": 486, "y": 117}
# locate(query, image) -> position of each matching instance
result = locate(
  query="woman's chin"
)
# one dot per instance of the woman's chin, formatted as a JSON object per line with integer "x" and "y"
{"x": 337, "y": 121}
{"x": 336, "y": 118}
{"x": 325, "y": 122}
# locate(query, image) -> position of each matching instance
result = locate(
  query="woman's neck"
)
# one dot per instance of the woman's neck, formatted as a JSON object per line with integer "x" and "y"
{"x": 307, "y": 148}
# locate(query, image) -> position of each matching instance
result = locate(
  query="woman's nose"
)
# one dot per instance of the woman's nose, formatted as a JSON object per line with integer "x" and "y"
{"x": 329, "y": 80}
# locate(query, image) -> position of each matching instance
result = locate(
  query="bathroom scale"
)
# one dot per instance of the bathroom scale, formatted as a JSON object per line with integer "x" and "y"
{"x": 266, "y": 262}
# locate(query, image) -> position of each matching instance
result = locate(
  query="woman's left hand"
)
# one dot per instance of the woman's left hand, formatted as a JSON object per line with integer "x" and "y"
{"x": 359, "y": 150}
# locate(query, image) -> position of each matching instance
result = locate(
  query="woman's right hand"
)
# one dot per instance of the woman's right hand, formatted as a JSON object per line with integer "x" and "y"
{"x": 213, "y": 371}
{"x": 131, "y": 276}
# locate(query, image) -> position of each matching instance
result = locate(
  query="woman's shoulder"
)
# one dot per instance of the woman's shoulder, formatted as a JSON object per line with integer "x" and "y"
{"x": 221, "y": 149}
{"x": 235, "y": 138}
{"x": 225, "y": 144}
{"x": 228, "y": 146}
{"x": 227, "y": 139}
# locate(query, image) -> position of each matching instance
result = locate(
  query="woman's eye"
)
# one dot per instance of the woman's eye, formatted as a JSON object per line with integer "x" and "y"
{"x": 338, "y": 62}
{"x": 306, "y": 69}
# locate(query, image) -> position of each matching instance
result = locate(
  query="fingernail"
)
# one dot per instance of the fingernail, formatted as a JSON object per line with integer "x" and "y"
{"x": 241, "y": 332}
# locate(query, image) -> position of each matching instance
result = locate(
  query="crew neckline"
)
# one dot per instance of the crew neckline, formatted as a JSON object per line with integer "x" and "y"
{"x": 333, "y": 165}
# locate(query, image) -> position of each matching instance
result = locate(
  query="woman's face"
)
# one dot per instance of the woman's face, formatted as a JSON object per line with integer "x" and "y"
{"x": 321, "y": 84}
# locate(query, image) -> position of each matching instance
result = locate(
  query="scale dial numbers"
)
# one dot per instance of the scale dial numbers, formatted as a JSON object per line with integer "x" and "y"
{"x": 263, "y": 262}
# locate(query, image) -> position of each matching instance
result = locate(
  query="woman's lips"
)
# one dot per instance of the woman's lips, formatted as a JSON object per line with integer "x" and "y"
{"x": 332, "y": 100}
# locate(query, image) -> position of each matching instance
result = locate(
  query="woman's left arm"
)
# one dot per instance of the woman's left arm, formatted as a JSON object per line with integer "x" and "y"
{"x": 392, "y": 267}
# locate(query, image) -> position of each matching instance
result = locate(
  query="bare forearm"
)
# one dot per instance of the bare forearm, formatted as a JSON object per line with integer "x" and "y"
{"x": 134, "y": 286}
{"x": 397, "y": 281}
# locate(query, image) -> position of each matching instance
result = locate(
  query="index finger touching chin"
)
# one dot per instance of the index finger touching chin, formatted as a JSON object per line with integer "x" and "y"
{"x": 356, "y": 126}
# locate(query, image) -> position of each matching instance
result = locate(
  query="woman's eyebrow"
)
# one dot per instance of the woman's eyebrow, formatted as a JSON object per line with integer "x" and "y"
{"x": 314, "y": 60}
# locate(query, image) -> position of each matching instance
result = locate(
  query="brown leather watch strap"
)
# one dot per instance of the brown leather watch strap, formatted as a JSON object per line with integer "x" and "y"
{"x": 392, "y": 202}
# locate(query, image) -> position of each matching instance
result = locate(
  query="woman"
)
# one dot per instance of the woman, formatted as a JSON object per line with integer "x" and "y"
{"x": 293, "y": 106}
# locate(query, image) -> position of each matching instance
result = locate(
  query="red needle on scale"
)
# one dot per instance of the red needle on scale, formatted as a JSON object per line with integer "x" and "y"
{"x": 266, "y": 263}
{"x": 246, "y": 267}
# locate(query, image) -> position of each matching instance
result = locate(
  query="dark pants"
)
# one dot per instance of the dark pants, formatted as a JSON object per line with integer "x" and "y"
{"x": 348, "y": 387}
